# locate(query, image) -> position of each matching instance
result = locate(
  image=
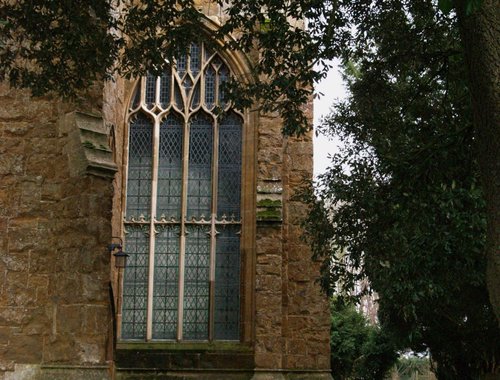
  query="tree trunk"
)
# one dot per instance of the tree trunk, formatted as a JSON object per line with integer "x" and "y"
{"x": 480, "y": 32}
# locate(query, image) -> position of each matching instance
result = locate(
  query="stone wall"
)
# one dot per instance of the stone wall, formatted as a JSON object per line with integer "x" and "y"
{"x": 55, "y": 224}
{"x": 292, "y": 317}
{"x": 307, "y": 314}
{"x": 269, "y": 251}
{"x": 56, "y": 220}
{"x": 54, "y": 227}
{"x": 306, "y": 318}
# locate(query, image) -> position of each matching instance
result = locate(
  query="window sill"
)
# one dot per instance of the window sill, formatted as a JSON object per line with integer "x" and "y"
{"x": 163, "y": 356}
{"x": 184, "y": 346}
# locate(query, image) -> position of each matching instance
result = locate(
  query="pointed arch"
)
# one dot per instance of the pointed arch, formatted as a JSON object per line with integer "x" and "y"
{"x": 185, "y": 235}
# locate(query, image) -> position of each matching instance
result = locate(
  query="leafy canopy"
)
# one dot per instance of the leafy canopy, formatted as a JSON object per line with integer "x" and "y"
{"x": 401, "y": 203}
{"x": 358, "y": 350}
{"x": 62, "y": 46}
{"x": 409, "y": 211}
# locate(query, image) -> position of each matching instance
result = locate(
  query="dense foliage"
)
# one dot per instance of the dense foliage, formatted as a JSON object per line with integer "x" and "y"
{"x": 57, "y": 46}
{"x": 61, "y": 46}
{"x": 410, "y": 210}
{"x": 358, "y": 350}
{"x": 402, "y": 197}
{"x": 411, "y": 367}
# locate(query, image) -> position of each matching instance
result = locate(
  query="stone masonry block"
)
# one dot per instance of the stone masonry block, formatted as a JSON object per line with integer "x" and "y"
{"x": 300, "y": 361}
{"x": 267, "y": 360}
{"x": 25, "y": 348}
{"x": 69, "y": 319}
{"x": 272, "y": 344}
{"x": 268, "y": 282}
{"x": 95, "y": 319}
{"x": 63, "y": 349}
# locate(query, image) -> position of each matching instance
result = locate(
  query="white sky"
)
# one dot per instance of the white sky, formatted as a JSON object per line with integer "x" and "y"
{"x": 332, "y": 88}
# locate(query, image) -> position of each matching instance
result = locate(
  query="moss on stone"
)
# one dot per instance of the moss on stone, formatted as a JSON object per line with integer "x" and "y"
{"x": 269, "y": 203}
{"x": 269, "y": 214}
{"x": 88, "y": 144}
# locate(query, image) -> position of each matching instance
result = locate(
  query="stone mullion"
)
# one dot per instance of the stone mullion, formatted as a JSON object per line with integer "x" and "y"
{"x": 143, "y": 92}
{"x": 182, "y": 242}
{"x": 152, "y": 230}
{"x": 213, "y": 232}
{"x": 157, "y": 91}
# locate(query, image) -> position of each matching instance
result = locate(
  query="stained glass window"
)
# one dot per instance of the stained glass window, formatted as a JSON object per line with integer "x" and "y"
{"x": 182, "y": 218}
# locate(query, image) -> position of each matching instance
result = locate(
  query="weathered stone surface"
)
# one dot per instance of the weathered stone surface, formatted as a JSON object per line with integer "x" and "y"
{"x": 22, "y": 372}
{"x": 268, "y": 376}
{"x": 87, "y": 147}
{"x": 37, "y": 372}
{"x": 24, "y": 348}
{"x": 53, "y": 230}
{"x": 56, "y": 220}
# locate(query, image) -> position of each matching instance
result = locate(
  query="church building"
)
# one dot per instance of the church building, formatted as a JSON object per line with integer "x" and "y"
{"x": 144, "y": 234}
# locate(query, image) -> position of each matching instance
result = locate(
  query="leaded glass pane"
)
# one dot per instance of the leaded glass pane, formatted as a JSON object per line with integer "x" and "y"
{"x": 208, "y": 53}
{"x": 227, "y": 284}
{"x": 195, "y": 58}
{"x": 170, "y": 168}
{"x": 136, "y": 99}
{"x": 165, "y": 87}
{"x": 223, "y": 77}
{"x": 196, "y": 96}
{"x": 229, "y": 170}
{"x": 178, "y": 85}
{"x": 200, "y": 166}
{"x": 196, "y": 283}
{"x": 187, "y": 84}
{"x": 135, "y": 284}
{"x": 181, "y": 65}
{"x": 216, "y": 62}
{"x": 139, "y": 167}
{"x": 210, "y": 87}
{"x": 178, "y": 97}
{"x": 150, "y": 90}
{"x": 166, "y": 283}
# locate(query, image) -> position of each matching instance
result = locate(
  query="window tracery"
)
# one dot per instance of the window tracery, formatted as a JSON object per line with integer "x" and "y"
{"x": 182, "y": 221}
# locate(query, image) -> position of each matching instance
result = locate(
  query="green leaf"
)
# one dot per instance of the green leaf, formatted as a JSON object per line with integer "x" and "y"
{"x": 445, "y": 6}
{"x": 472, "y": 6}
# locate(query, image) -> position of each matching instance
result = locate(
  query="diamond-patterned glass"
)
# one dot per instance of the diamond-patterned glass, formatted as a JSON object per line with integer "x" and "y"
{"x": 168, "y": 202}
{"x": 150, "y": 90}
{"x": 196, "y": 284}
{"x": 229, "y": 169}
{"x": 166, "y": 283}
{"x": 227, "y": 284}
{"x": 210, "y": 87}
{"x": 178, "y": 97}
{"x": 223, "y": 77}
{"x": 135, "y": 283}
{"x": 182, "y": 83}
{"x": 208, "y": 53}
{"x": 200, "y": 166}
{"x": 165, "y": 88}
{"x": 139, "y": 167}
{"x": 181, "y": 62}
{"x": 195, "y": 58}
{"x": 136, "y": 98}
{"x": 195, "y": 102}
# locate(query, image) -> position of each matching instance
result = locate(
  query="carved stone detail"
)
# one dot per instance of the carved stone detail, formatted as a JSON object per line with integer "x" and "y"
{"x": 87, "y": 148}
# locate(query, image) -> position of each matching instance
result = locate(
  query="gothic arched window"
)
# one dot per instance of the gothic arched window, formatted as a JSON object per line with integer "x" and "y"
{"x": 182, "y": 220}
